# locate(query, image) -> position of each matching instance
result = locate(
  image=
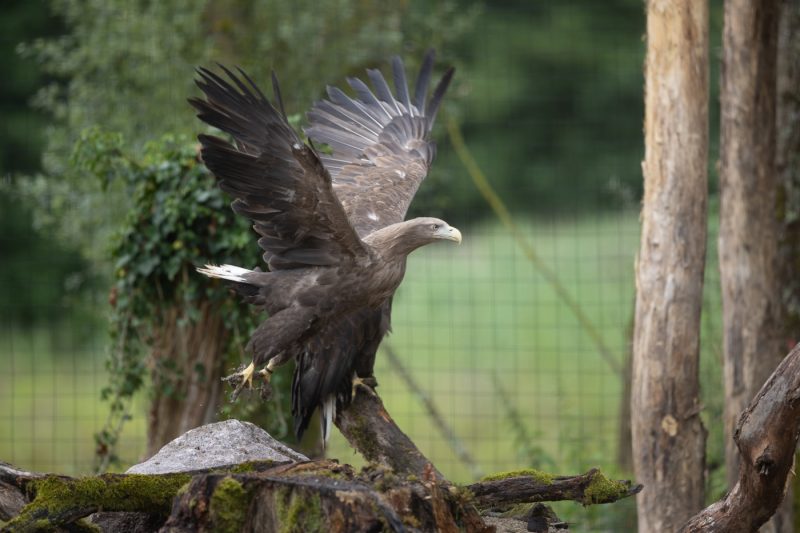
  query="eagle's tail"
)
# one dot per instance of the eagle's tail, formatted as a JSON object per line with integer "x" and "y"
{"x": 228, "y": 272}
{"x": 327, "y": 415}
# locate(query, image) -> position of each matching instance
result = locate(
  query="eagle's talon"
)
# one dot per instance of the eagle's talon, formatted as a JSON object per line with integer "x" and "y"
{"x": 368, "y": 384}
{"x": 240, "y": 379}
{"x": 266, "y": 376}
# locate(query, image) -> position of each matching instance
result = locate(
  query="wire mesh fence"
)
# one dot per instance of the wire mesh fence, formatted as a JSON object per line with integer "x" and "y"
{"x": 507, "y": 352}
{"x": 495, "y": 371}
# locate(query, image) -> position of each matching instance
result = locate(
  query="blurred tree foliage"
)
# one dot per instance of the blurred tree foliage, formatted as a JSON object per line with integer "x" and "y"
{"x": 554, "y": 110}
{"x": 49, "y": 271}
{"x": 130, "y": 67}
{"x": 21, "y": 139}
{"x": 22, "y": 128}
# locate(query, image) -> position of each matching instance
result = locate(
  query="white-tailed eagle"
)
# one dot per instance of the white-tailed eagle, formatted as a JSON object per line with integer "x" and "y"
{"x": 332, "y": 226}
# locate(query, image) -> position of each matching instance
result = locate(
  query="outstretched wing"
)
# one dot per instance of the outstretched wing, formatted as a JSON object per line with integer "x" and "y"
{"x": 381, "y": 152}
{"x": 277, "y": 181}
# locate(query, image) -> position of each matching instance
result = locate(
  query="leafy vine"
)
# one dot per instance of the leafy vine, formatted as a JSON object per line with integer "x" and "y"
{"x": 178, "y": 219}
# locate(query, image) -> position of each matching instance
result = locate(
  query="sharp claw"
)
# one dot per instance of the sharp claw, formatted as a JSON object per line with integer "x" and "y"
{"x": 266, "y": 388}
{"x": 368, "y": 384}
{"x": 240, "y": 379}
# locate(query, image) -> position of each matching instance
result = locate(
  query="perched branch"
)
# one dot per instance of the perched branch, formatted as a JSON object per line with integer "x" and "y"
{"x": 529, "y": 486}
{"x": 371, "y": 431}
{"x": 766, "y": 436}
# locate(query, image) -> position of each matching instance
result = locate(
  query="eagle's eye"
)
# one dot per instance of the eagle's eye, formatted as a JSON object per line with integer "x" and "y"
{"x": 435, "y": 226}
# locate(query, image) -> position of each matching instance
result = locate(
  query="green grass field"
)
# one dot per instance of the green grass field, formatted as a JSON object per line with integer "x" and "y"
{"x": 465, "y": 319}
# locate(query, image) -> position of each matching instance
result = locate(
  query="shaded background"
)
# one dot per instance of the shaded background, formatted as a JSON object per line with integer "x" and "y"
{"x": 549, "y": 100}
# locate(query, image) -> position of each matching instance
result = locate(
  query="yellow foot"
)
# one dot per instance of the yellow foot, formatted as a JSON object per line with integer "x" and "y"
{"x": 241, "y": 379}
{"x": 266, "y": 375}
{"x": 368, "y": 384}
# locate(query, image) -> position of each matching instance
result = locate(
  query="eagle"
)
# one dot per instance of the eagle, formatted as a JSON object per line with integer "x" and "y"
{"x": 331, "y": 222}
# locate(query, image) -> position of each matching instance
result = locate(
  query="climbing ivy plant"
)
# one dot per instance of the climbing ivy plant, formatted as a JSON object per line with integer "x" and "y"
{"x": 178, "y": 219}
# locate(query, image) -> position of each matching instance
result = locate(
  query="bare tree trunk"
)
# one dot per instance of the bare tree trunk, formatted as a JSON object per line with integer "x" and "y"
{"x": 668, "y": 436}
{"x": 787, "y": 161}
{"x": 186, "y": 366}
{"x": 749, "y": 228}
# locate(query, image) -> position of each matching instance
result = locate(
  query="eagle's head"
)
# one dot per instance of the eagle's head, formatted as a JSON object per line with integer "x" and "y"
{"x": 399, "y": 240}
{"x": 426, "y": 230}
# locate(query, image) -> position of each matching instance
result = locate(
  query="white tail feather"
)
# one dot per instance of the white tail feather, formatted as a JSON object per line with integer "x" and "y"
{"x": 328, "y": 414}
{"x": 229, "y": 272}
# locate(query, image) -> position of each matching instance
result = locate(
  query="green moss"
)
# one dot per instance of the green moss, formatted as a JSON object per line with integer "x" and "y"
{"x": 319, "y": 472}
{"x": 540, "y": 477}
{"x": 386, "y": 482}
{"x": 228, "y": 506}
{"x": 183, "y": 489}
{"x": 85, "y": 526}
{"x": 366, "y": 442}
{"x": 519, "y": 511}
{"x": 463, "y": 495}
{"x": 298, "y": 513}
{"x": 252, "y": 466}
{"x": 603, "y": 490}
{"x": 55, "y": 496}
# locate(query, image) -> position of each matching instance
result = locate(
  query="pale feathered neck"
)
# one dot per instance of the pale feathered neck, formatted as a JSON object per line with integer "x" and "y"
{"x": 396, "y": 241}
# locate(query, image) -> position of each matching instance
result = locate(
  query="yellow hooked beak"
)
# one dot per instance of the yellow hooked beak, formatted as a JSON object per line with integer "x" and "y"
{"x": 450, "y": 233}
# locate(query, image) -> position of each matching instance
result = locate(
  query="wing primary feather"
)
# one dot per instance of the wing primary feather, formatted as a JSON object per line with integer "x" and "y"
{"x": 369, "y": 99}
{"x": 242, "y": 87}
{"x": 382, "y": 88}
{"x": 252, "y": 84}
{"x": 276, "y": 92}
{"x": 423, "y": 79}
{"x": 400, "y": 83}
{"x": 436, "y": 99}
{"x": 355, "y": 115}
{"x": 339, "y": 98}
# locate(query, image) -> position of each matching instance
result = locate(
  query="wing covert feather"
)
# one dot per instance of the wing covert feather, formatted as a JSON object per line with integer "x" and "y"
{"x": 381, "y": 151}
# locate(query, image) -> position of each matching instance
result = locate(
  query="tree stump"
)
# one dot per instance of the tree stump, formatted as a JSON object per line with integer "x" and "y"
{"x": 400, "y": 490}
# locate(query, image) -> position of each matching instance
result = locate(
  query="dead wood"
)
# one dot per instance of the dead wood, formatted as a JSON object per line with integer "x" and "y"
{"x": 667, "y": 435}
{"x": 400, "y": 490}
{"x": 766, "y": 437}
{"x": 306, "y": 496}
{"x": 531, "y": 486}
{"x": 368, "y": 427}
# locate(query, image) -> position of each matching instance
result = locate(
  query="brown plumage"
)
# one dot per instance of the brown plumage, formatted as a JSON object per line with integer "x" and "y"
{"x": 331, "y": 226}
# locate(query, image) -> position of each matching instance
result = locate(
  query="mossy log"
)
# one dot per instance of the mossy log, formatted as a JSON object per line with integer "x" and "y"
{"x": 369, "y": 428}
{"x": 307, "y": 496}
{"x": 399, "y": 491}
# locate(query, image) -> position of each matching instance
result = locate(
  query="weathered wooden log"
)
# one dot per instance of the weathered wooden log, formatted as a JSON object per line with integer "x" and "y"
{"x": 530, "y": 486}
{"x": 368, "y": 427}
{"x": 306, "y": 496}
{"x": 766, "y": 436}
{"x": 398, "y": 491}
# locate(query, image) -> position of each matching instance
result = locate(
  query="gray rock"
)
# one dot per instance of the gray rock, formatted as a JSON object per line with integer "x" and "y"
{"x": 216, "y": 445}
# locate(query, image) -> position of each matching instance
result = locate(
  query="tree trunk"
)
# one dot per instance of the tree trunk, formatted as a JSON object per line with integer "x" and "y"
{"x": 787, "y": 161}
{"x": 186, "y": 367}
{"x": 749, "y": 229}
{"x": 668, "y": 436}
